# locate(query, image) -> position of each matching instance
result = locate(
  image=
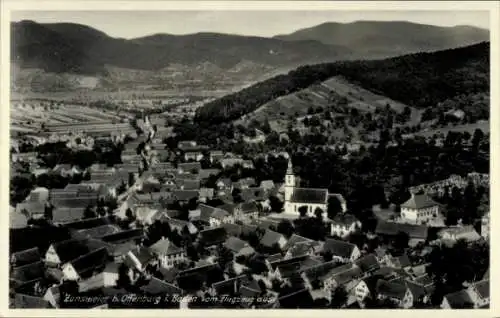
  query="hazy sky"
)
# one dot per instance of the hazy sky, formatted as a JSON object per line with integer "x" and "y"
{"x": 130, "y": 24}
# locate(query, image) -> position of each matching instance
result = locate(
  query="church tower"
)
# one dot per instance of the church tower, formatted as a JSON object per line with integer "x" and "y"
{"x": 289, "y": 181}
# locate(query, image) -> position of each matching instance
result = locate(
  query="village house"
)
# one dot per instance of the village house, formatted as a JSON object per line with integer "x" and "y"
{"x": 451, "y": 235}
{"x": 343, "y": 225}
{"x": 138, "y": 258}
{"x": 188, "y": 167}
{"x": 419, "y": 209}
{"x": 396, "y": 292}
{"x": 216, "y": 156}
{"x": 63, "y": 252}
{"x": 272, "y": 239}
{"x": 212, "y": 236}
{"x": 238, "y": 246}
{"x": 485, "y": 226}
{"x": 220, "y": 216}
{"x": 341, "y": 251}
{"x": 85, "y": 265}
{"x": 25, "y": 257}
{"x": 167, "y": 253}
{"x": 416, "y": 233}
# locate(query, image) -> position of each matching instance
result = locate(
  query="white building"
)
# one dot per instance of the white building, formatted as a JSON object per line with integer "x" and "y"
{"x": 420, "y": 208}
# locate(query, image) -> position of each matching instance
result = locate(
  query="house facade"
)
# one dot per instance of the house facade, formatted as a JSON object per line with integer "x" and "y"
{"x": 420, "y": 208}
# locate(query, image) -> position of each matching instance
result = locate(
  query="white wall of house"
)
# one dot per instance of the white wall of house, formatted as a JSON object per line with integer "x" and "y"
{"x": 110, "y": 279}
{"x": 69, "y": 273}
{"x": 361, "y": 291}
{"x": 51, "y": 256}
{"x": 419, "y": 215}
{"x": 293, "y": 208}
{"x": 343, "y": 230}
{"x": 169, "y": 261}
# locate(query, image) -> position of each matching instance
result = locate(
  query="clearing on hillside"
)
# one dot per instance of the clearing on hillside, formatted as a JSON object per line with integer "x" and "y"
{"x": 325, "y": 94}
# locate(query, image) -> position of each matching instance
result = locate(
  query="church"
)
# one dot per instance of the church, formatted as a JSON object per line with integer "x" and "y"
{"x": 311, "y": 198}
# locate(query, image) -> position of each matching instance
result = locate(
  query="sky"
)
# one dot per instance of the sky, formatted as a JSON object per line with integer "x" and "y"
{"x": 131, "y": 24}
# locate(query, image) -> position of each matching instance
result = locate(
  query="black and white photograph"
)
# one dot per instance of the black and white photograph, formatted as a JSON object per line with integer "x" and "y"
{"x": 249, "y": 159}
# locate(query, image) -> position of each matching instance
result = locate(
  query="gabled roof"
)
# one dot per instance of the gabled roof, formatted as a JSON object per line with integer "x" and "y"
{"x": 236, "y": 245}
{"x": 88, "y": 223}
{"x": 28, "y": 272}
{"x": 345, "y": 219}
{"x": 483, "y": 288}
{"x": 390, "y": 289}
{"x": 186, "y": 195}
{"x": 86, "y": 264}
{"x": 189, "y": 166}
{"x": 419, "y": 201}
{"x": 294, "y": 239}
{"x": 220, "y": 214}
{"x": 66, "y": 214}
{"x": 307, "y": 195}
{"x": 23, "y": 301}
{"x": 254, "y": 194}
{"x": 98, "y": 231}
{"x": 213, "y": 236}
{"x": 339, "y": 248}
{"x": 462, "y": 232}
{"x": 71, "y": 249}
{"x": 232, "y": 229}
{"x": 25, "y": 257}
{"x": 413, "y": 231}
{"x": 368, "y": 263}
{"x": 270, "y": 238}
{"x": 156, "y": 286}
{"x": 122, "y": 236}
{"x": 459, "y": 299}
{"x": 165, "y": 247}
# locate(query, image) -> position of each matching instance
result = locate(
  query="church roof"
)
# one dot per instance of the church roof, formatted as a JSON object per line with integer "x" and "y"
{"x": 313, "y": 196}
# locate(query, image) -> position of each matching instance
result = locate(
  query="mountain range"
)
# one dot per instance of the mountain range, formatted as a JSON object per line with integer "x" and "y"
{"x": 79, "y": 49}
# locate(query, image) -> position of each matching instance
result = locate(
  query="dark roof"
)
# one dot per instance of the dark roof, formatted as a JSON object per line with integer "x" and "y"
{"x": 213, "y": 236}
{"x": 249, "y": 207}
{"x": 235, "y": 244}
{"x": 65, "y": 214}
{"x": 25, "y": 257}
{"x": 122, "y": 236}
{"x": 368, "y": 263}
{"x": 483, "y": 288}
{"x": 459, "y": 299}
{"x": 165, "y": 247}
{"x": 187, "y": 184}
{"x": 270, "y": 238}
{"x": 289, "y": 269}
{"x": 185, "y": 195}
{"x": 88, "y": 223}
{"x": 28, "y": 272}
{"x": 98, "y": 231}
{"x": 401, "y": 261}
{"x": 254, "y": 194}
{"x": 292, "y": 260}
{"x": 419, "y": 201}
{"x": 71, "y": 249}
{"x": 390, "y": 289}
{"x": 189, "y": 166}
{"x": 344, "y": 219}
{"x": 86, "y": 264}
{"x": 413, "y": 231}
{"x": 306, "y": 195}
{"x": 344, "y": 277}
{"x": 294, "y": 239}
{"x": 26, "y": 301}
{"x": 232, "y": 229}
{"x": 339, "y": 248}
{"x": 297, "y": 299}
{"x": 418, "y": 291}
{"x": 159, "y": 287}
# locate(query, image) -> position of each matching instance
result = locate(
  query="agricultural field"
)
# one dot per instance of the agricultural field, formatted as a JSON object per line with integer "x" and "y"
{"x": 484, "y": 125}
{"x": 324, "y": 95}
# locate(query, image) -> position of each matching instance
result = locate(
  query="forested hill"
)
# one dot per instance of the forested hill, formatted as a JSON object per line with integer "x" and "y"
{"x": 421, "y": 80}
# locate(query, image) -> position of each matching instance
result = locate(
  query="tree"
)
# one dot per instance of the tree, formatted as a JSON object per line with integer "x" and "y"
{"x": 303, "y": 211}
{"x": 276, "y": 204}
{"x": 319, "y": 214}
{"x": 89, "y": 213}
{"x": 339, "y": 297}
{"x": 334, "y": 207}
{"x": 286, "y": 228}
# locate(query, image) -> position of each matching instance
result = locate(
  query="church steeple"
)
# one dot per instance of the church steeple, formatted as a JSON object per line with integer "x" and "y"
{"x": 289, "y": 181}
